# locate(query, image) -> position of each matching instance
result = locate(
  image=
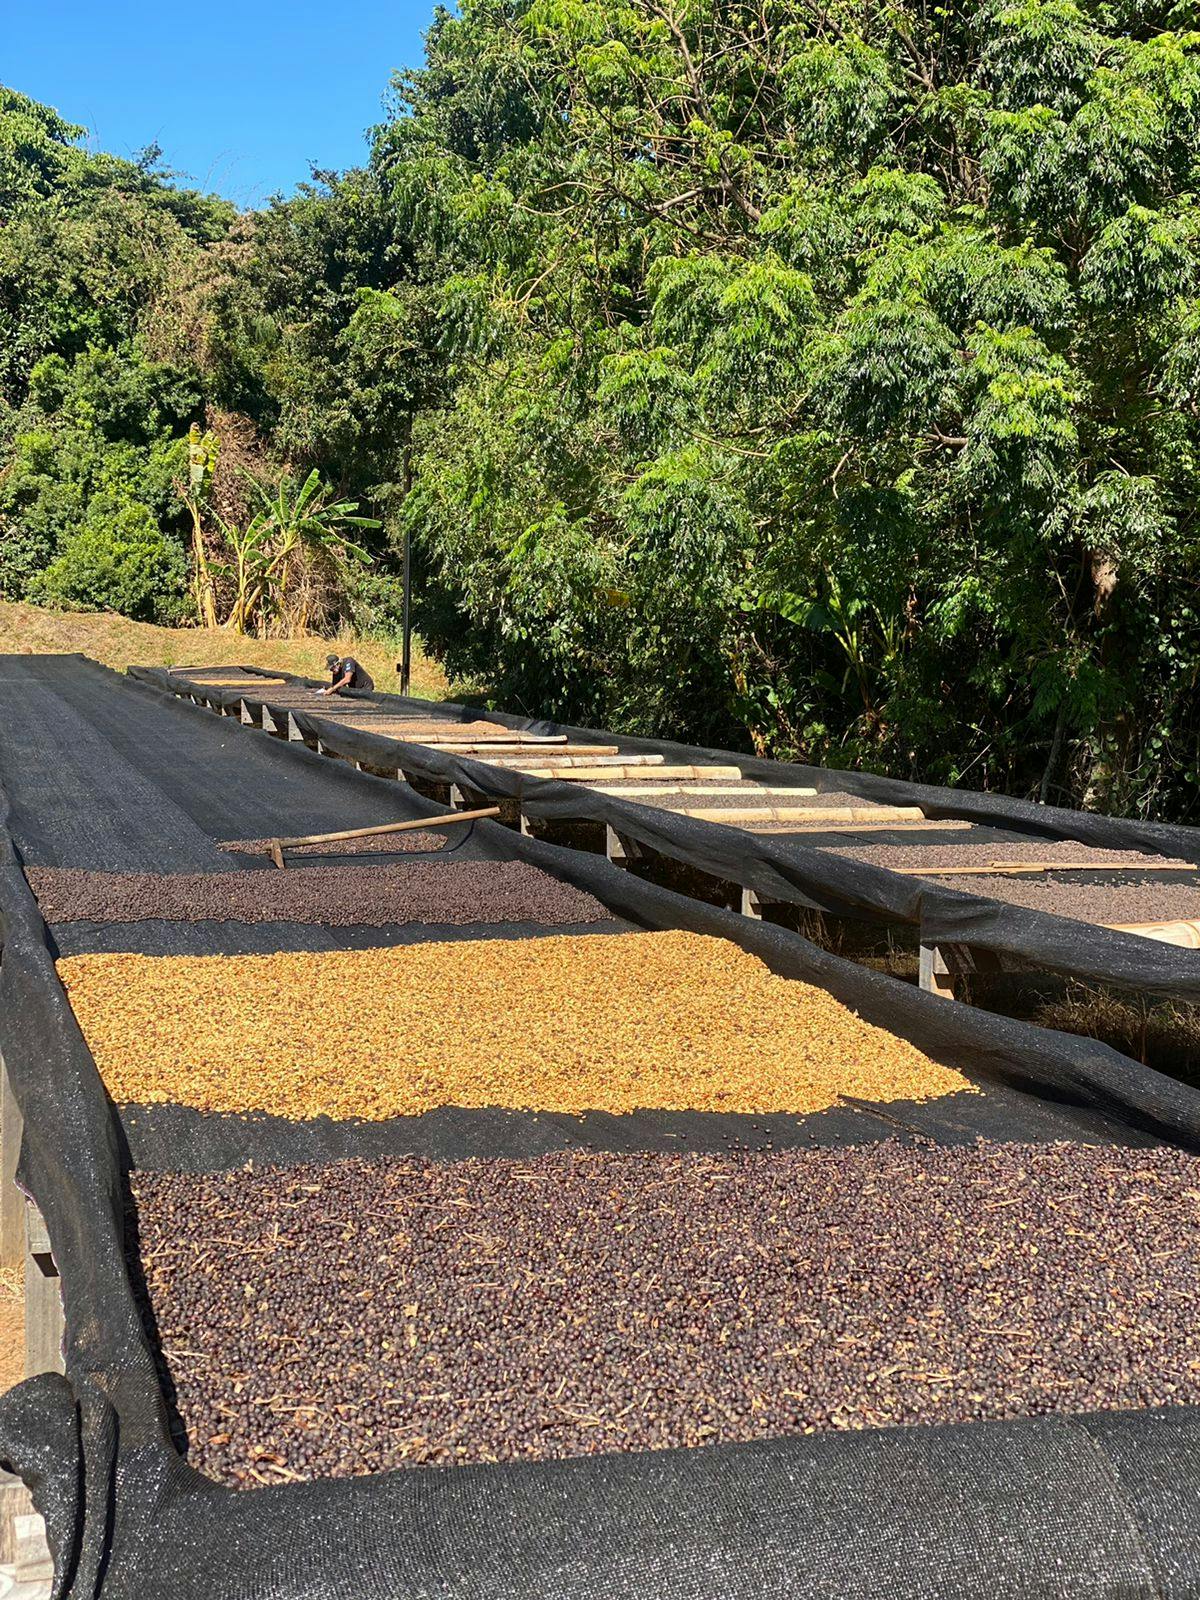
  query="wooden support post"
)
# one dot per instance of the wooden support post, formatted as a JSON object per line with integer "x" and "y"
{"x": 293, "y": 730}
{"x": 936, "y": 977}
{"x": 12, "y": 1201}
{"x": 525, "y": 827}
{"x": 751, "y": 904}
{"x": 620, "y": 851}
{"x": 44, "y": 1325}
{"x": 247, "y": 717}
{"x": 23, "y": 1546}
{"x": 457, "y": 798}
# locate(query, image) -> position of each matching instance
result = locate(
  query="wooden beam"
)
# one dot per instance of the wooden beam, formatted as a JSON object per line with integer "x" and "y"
{"x": 12, "y": 1201}
{"x": 619, "y": 850}
{"x": 23, "y": 1546}
{"x": 1014, "y": 868}
{"x": 1184, "y": 934}
{"x": 752, "y": 906}
{"x": 935, "y": 975}
{"x": 44, "y": 1325}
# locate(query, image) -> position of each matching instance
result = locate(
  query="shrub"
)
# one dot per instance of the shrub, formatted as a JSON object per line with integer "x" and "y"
{"x": 119, "y": 560}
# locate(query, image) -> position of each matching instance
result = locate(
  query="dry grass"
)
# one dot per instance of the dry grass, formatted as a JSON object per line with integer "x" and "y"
{"x": 119, "y": 643}
{"x": 1161, "y": 1034}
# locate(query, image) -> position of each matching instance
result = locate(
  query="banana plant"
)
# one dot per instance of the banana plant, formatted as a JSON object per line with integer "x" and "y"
{"x": 203, "y": 449}
{"x": 290, "y": 523}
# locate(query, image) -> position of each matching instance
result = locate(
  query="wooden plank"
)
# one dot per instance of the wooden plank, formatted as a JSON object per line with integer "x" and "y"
{"x": 12, "y": 1201}
{"x": 935, "y": 975}
{"x": 23, "y": 1546}
{"x": 619, "y": 850}
{"x": 751, "y": 904}
{"x": 1184, "y": 934}
{"x": 44, "y": 1325}
{"x": 1014, "y": 868}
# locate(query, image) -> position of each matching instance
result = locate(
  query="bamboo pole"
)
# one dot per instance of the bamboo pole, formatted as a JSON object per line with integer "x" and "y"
{"x": 784, "y": 831}
{"x": 803, "y": 814}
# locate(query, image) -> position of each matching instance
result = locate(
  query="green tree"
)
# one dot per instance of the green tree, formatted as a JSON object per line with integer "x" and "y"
{"x": 822, "y": 379}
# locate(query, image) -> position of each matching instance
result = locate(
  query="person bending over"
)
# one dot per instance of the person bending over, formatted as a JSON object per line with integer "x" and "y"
{"x": 346, "y": 673}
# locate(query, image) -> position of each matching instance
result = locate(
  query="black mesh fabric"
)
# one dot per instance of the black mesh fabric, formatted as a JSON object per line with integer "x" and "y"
{"x": 783, "y": 867}
{"x": 1065, "y": 1507}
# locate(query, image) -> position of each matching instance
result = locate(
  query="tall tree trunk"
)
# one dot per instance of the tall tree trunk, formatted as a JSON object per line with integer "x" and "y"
{"x": 1055, "y": 758}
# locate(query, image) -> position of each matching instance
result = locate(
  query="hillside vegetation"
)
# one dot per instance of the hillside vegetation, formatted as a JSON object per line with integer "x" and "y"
{"x": 821, "y": 378}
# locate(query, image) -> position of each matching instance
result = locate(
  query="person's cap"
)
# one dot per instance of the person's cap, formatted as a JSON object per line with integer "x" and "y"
{"x": 332, "y": 661}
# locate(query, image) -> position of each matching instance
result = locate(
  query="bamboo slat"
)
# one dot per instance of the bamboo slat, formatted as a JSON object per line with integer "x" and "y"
{"x": 807, "y": 814}
{"x": 597, "y": 775}
{"x": 654, "y": 790}
{"x": 489, "y": 751}
{"x": 852, "y": 830}
{"x": 613, "y": 762}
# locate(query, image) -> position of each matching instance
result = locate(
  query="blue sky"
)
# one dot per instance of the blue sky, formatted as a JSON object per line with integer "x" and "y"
{"x": 242, "y": 98}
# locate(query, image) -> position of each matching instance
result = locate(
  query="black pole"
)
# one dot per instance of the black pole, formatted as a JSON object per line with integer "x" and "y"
{"x": 406, "y": 659}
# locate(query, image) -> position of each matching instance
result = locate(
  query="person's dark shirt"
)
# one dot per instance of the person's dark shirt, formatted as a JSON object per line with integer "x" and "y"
{"x": 360, "y": 678}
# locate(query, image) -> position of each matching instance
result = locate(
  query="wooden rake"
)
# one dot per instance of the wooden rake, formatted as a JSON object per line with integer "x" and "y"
{"x": 278, "y": 846}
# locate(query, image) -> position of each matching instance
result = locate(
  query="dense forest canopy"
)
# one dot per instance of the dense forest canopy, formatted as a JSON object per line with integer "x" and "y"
{"x": 816, "y": 377}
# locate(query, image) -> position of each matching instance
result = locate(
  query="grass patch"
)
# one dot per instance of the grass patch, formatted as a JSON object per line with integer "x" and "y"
{"x": 119, "y": 643}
